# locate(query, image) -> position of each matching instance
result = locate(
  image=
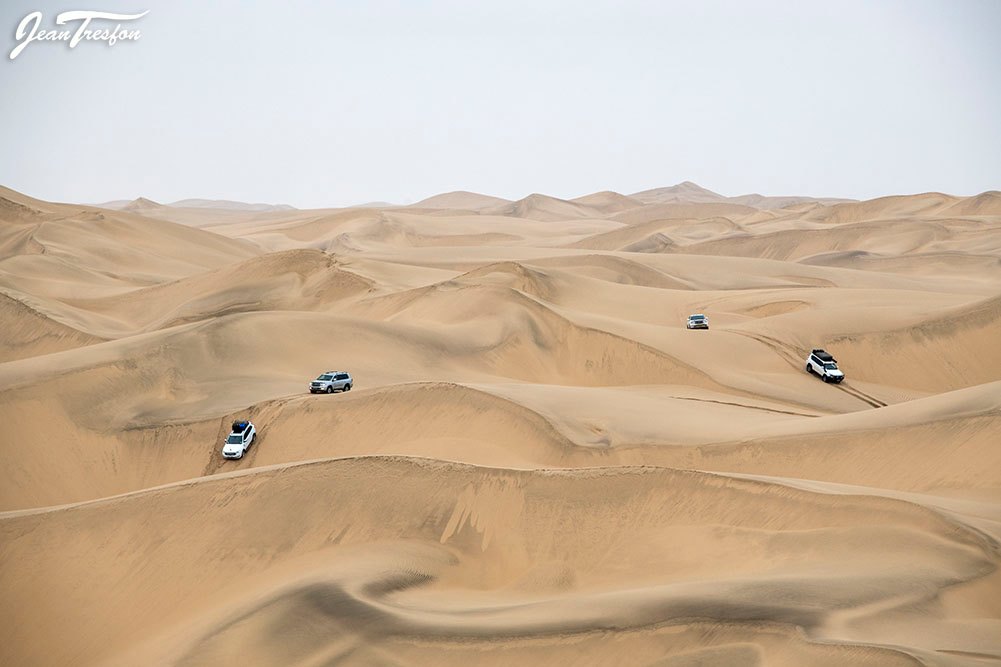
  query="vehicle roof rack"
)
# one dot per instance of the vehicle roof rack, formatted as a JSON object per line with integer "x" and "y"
{"x": 822, "y": 355}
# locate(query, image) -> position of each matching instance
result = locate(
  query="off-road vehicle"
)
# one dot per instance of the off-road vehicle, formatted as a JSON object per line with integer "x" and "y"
{"x": 330, "y": 382}
{"x": 698, "y": 321}
{"x": 824, "y": 365}
{"x": 239, "y": 440}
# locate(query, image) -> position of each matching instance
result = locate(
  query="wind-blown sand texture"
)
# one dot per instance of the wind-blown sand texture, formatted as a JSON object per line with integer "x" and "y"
{"x": 538, "y": 463}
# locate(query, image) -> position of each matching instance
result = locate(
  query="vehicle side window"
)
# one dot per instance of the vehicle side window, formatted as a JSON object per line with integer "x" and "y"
{"x": 342, "y": 376}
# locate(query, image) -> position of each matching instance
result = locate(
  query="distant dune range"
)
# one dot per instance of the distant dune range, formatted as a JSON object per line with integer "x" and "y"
{"x": 538, "y": 463}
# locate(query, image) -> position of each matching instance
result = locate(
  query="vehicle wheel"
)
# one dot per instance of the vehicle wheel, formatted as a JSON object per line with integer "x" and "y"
{"x": 347, "y": 387}
{"x": 824, "y": 378}
{"x": 809, "y": 369}
{"x": 330, "y": 388}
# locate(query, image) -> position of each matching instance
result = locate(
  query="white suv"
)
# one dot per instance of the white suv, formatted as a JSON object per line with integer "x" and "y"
{"x": 698, "y": 321}
{"x": 239, "y": 440}
{"x": 824, "y": 365}
{"x": 331, "y": 381}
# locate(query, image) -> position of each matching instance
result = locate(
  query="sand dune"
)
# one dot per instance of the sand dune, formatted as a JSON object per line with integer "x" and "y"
{"x": 691, "y": 193}
{"x": 670, "y": 232}
{"x": 900, "y": 206}
{"x": 142, "y": 204}
{"x": 903, "y": 237}
{"x": 765, "y": 202}
{"x": 687, "y": 192}
{"x": 148, "y": 206}
{"x": 984, "y": 204}
{"x": 50, "y": 256}
{"x": 545, "y": 208}
{"x": 682, "y": 210}
{"x": 616, "y": 269}
{"x": 608, "y": 201}
{"x": 461, "y": 200}
{"x": 375, "y": 574}
{"x": 289, "y": 280}
{"x": 29, "y": 333}
{"x": 537, "y": 463}
{"x": 230, "y": 205}
{"x": 956, "y": 349}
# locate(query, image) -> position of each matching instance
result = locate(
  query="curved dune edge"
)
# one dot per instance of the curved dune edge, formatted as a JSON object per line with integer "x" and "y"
{"x": 542, "y": 345}
{"x": 954, "y": 350}
{"x": 949, "y": 440}
{"x": 341, "y": 547}
{"x": 442, "y": 420}
{"x": 287, "y": 280}
{"x": 27, "y": 332}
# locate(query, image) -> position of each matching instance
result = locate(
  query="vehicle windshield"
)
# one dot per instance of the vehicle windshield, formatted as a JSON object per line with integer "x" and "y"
{"x": 234, "y": 439}
{"x": 696, "y": 317}
{"x": 325, "y": 377}
{"x": 831, "y": 367}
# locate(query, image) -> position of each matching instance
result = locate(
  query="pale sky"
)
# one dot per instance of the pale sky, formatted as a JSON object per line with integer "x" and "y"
{"x": 336, "y": 103}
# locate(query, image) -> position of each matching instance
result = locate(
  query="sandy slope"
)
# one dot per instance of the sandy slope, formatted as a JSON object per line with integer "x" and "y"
{"x": 538, "y": 463}
{"x": 462, "y": 200}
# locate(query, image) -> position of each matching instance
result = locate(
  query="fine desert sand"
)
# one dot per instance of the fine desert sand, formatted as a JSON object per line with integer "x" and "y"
{"x": 538, "y": 462}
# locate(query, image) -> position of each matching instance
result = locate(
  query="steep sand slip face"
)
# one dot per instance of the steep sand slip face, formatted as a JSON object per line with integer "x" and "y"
{"x": 649, "y": 495}
{"x": 950, "y": 351}
{"x": 29, "y": 333}
{"x": 290, "y": 280}
{"x": 485, "y": 555}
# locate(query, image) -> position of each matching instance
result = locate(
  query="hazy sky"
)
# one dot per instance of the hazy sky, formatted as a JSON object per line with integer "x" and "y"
{"x": 335, "y": 103}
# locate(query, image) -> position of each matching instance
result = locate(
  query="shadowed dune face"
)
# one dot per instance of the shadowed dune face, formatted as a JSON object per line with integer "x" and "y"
{"x": 537, "y": 463}
{"x": 28, "y": 333}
